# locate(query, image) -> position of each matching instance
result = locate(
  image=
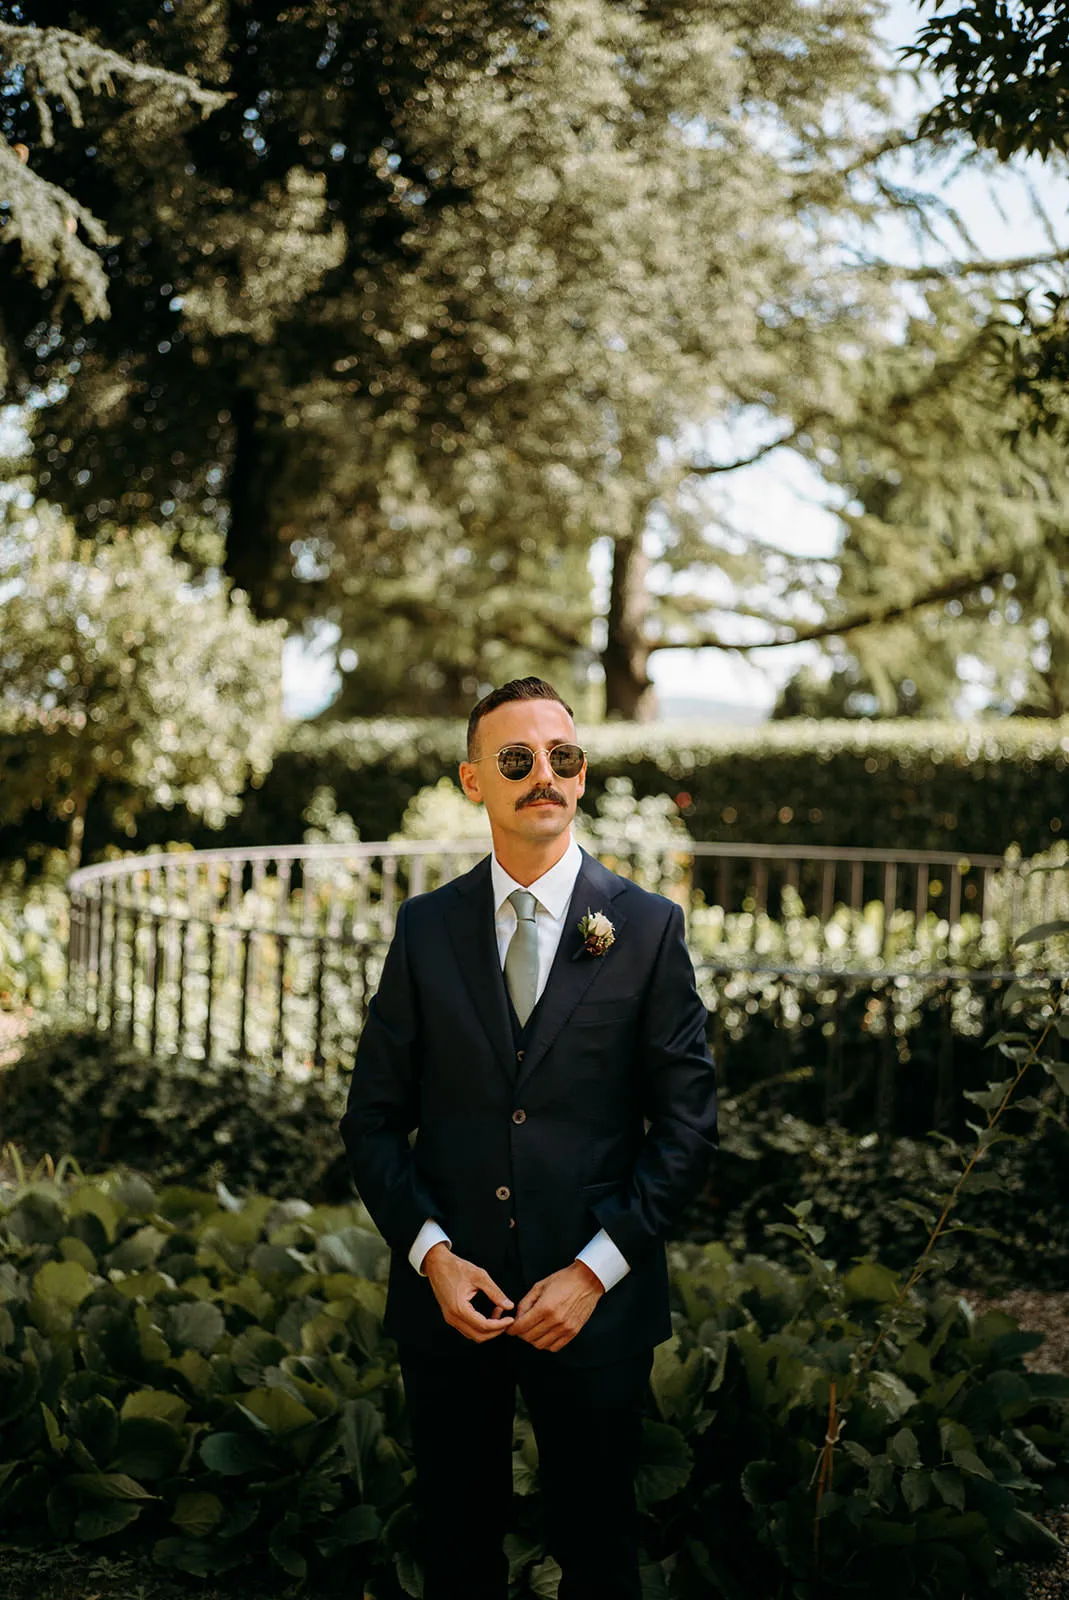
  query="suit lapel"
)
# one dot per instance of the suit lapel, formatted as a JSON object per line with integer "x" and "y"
{"x": 469, "y": 922}
{"x": 574, "y": 968}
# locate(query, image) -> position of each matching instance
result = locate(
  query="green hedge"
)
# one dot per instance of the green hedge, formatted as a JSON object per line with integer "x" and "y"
{"x": 917, "y": 785}
{"x": 904, "y": 783}
{"x": 205, "y": 1379}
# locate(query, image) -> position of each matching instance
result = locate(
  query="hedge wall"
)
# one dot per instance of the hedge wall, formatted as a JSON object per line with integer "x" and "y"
{"x": 889, "y": 784}
{"x": 902, "y": 784}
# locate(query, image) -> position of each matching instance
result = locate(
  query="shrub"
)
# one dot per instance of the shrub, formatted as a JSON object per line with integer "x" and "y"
{"x": 867, "y": 1191}
{"x": 951, "y": 1445}
{"x": 206, "y": 1379}
{"x": 175, "y": 1120}
{"x": 195, "y": 1374}
{"x": 33, "y": 935}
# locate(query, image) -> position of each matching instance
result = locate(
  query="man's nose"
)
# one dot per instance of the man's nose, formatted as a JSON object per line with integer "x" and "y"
{"x": 542, "y": 772}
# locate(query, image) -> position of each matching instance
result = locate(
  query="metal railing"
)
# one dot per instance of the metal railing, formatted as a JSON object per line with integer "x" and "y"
{"x": 271, "y": 954}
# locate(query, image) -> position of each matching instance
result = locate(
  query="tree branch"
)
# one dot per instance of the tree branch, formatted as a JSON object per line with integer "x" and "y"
{"x": 874, "y": 616}
{"x": 973, "y": 269}
{"x": 58, "y": 62}
{"x": 707, "y": 469}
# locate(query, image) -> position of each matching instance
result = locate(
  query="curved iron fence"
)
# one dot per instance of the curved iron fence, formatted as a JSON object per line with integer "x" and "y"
{"x": 272, "y": 954}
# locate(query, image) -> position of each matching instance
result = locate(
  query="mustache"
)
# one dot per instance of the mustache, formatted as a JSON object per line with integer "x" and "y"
{"x": 541, "y": 794}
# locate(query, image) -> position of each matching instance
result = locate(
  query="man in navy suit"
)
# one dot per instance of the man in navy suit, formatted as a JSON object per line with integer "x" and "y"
{"x": 537, "y": 1024}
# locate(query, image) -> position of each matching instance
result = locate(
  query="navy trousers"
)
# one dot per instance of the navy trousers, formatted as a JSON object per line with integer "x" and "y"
{"x": 587, "y": 1423}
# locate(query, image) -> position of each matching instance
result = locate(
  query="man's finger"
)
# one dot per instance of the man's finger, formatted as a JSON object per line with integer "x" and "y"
{"x": 484, "y": 1282}
{"x": 476, "y": 1335}
{"x": 475, "y": 1319}
{"x": 537, "y": 1320}
{"x": 533, "y": 1295}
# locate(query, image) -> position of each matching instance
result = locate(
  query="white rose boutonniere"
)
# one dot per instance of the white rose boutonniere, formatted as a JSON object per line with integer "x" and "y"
{"x": 597, "y": 931}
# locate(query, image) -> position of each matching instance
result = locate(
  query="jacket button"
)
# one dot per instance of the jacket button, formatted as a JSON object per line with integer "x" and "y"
{"x": 512, "y": 1222}
{"x": 503, "y": 1192}
{"x": 519, "y": 1055}
{"x": 519, "y": 1116}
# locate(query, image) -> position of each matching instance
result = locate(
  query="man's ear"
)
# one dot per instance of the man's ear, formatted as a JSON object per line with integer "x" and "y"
{"x": 469, "y": 781}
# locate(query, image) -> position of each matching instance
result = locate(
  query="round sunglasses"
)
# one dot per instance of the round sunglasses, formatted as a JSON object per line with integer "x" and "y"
{"x": 515, "y": 761}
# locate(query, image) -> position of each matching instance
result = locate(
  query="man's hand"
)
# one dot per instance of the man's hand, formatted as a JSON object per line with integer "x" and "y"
{"x": 456, "y": 1282}
{"x": 554, "y": 1309}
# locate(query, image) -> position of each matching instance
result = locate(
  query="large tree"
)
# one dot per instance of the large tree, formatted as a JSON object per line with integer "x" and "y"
{"x": 955, "y": 550}
{"x": 952, "y": 453}
{"x": 1003, "y": 72}
{"x": 415, "y": 312}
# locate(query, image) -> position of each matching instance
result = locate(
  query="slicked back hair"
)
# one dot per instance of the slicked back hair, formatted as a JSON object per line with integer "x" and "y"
{"x": 515, "y": 689}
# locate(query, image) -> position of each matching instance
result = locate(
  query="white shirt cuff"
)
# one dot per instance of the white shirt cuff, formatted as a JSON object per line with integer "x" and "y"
{"x": 604, "y": 1259}
{"x": 430, "y": 1234}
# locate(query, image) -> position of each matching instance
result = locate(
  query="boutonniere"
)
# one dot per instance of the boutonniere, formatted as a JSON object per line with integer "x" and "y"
{"x": 597, "y": 931}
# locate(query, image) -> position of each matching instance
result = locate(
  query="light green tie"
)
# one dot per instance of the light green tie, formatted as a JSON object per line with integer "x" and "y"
{"x": 521, "y": 958}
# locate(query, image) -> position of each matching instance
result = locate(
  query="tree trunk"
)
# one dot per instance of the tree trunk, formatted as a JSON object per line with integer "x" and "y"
{"x": 629, "y": 691}
{"x": 250, "y": 559}
{"x": 76, "y": 831}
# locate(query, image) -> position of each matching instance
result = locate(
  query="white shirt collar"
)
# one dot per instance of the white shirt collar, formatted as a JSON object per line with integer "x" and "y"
{"x": 553, "y": 890}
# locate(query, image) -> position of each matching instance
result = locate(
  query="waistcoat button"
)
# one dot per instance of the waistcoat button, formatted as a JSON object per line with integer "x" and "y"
{"x": 519, "y": 1116}
{"x": 503, "y": 1192}
{"x": 519, "y": 1055}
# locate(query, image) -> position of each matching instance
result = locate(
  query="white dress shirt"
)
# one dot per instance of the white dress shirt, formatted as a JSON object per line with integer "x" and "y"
{"x": 552, "y": 892}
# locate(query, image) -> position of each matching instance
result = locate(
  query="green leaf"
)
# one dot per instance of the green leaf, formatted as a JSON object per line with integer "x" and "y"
{"x": 97, "y": 1522}
{"x": 275, "y": 1410}
{"x": 664, "y": 1462}
{"x": 89, "y": 1201}
{"x": 762, "y": 1483}
{"x": 95, "y": 1423}
{"x": 252, "y": 1351}
{"x": 194, "y": 1324}
{"x": 159, "y": 1404}
{"x": 891, "y": 1394}
{"x": 916, "y": 1488}
{"x": 64, "y": 1281}
{"x": 56, "y": 1437}
{"x": 903, "y": 1449}
{"x": 544, "y": 1580}
{"x": 352, "y": 1250}
{"x": 1059, "y": 1071}
{"x": 197, "y": 1512}
{"x": 361, "y": 1427}
{"x": 200, "y": 1557}
{"x": 360, "y": 1525}
{"x": 951, "y": 1486}
{"x": 991, "y": 1098}
{"x": 283, "y": 1548}
{"x": 233, "y": 1454}
{"x": 109, "y": 1486}
{"x": 969, "y": 1461}
{"x": 869, "y": 1281}
{"x": 148, "y": 1448}
{"x": 1042, "y": 930}
{"x": 1032, "y": 1536}
{"x": 678, "y": 1385}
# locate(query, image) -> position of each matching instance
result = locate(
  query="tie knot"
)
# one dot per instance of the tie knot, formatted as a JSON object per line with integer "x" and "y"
{"x": 523, "y": 903}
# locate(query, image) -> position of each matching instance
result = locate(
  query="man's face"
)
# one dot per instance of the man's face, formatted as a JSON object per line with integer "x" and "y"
{"x": 540, "y": 806}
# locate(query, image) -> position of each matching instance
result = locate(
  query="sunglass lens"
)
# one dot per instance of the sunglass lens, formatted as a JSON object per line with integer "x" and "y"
{"x": 514, "y": 761}
{"x": 566, "y": 760}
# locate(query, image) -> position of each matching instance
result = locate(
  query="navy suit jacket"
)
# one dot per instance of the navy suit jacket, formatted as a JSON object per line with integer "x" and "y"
{"x": 616, "y": 1085}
